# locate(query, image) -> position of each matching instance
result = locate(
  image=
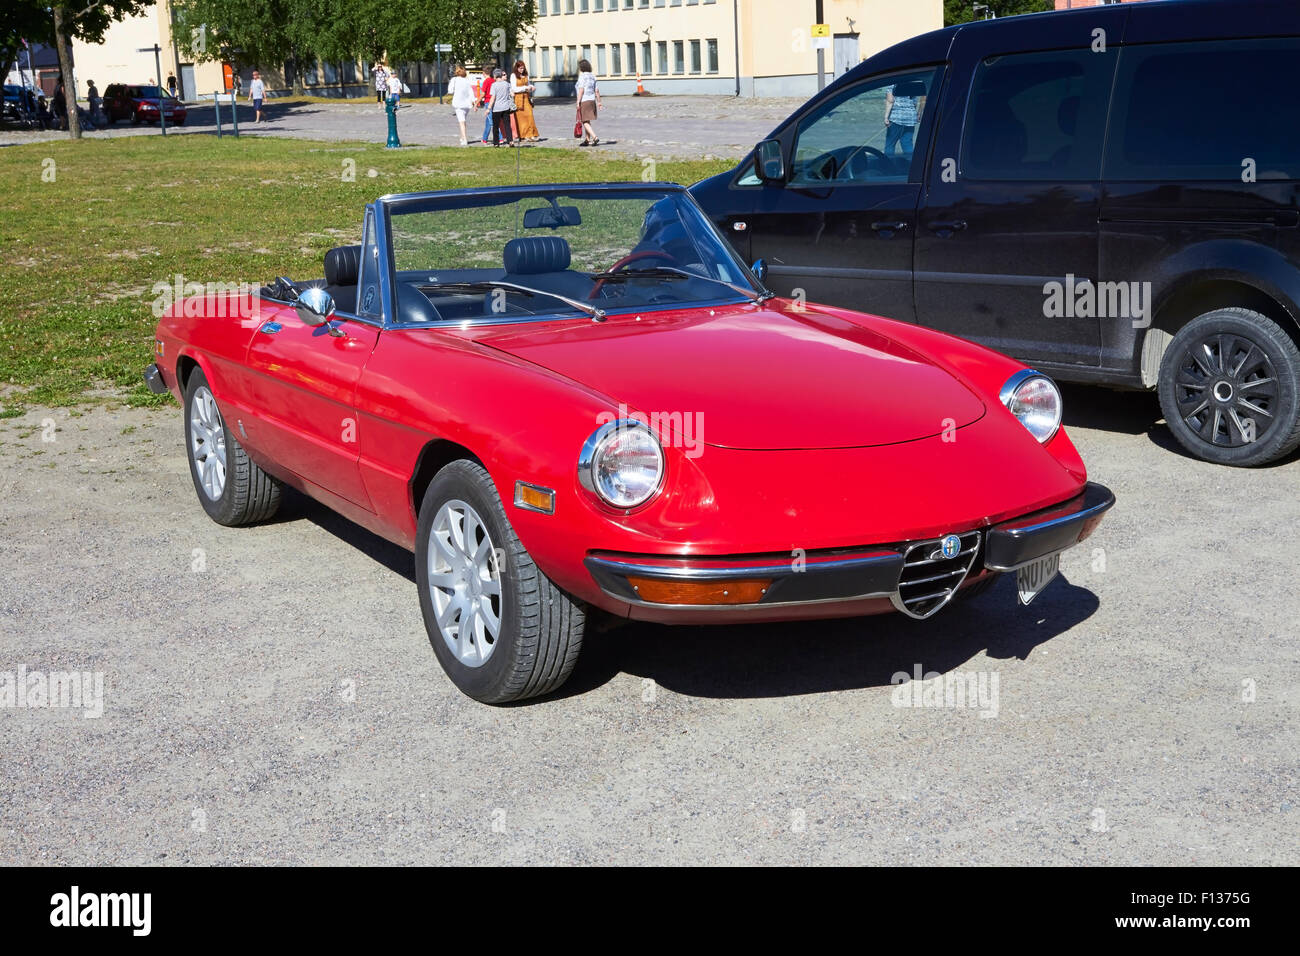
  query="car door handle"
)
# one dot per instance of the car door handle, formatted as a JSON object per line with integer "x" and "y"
{"x": 947, "y": 225}
{"x": 888, "y": 226}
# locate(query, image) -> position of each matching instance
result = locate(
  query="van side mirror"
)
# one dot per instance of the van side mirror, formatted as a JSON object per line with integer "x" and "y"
{"x": 769, "y": 165}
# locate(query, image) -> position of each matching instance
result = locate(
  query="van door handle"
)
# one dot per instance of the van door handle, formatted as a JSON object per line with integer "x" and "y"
{"x": 947, "y": 225}
{"x": 888, "y": 226}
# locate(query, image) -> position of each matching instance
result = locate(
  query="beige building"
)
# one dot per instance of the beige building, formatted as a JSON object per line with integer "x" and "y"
{"x": 117, "y": 59}
{"x": 754, "y": 47}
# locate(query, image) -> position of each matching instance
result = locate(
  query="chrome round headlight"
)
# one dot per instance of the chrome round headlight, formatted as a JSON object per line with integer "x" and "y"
{"x": 1035, "y": 401}
{"x": 622, "y": 463}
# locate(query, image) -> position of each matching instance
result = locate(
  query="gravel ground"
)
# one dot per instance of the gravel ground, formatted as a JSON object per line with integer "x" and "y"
{"x": 270, "y": 696}
{"x": 691, "y": 127}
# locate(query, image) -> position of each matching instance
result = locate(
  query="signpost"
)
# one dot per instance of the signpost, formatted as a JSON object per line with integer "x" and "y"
{"x": 438, "y": 50}
{"x": 821, "y": 40}
{"x": 156, "y": 50}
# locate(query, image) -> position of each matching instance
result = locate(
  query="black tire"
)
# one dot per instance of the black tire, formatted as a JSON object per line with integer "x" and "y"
{"x": 247, "y": 493}
{"x": 1230, "y": 388}
{"x": 540, "y": 627}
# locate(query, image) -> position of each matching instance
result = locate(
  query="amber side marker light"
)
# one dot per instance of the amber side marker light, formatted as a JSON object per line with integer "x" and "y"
{"x": 734, "y": 591}
{"x": 534, "y": 498}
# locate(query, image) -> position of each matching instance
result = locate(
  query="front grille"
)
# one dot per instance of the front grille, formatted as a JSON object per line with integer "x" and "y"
{"x": 929, "y": 580}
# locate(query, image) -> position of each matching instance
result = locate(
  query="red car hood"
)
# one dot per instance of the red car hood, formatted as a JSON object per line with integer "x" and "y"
{"x": 752, "y": 377}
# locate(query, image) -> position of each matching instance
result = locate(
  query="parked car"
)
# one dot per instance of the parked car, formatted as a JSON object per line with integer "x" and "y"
{"x": 140, "y": 104}
{"x": 19, "y": 103}
{"x": 595, "y": 403}
{"x": 1111, "y": 194}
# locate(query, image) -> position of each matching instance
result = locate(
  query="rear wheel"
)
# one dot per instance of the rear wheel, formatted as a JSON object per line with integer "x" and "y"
{"x": 500, "y": 629}
{"x": 232, "y": 490}
{"x": 1230, "y": 388}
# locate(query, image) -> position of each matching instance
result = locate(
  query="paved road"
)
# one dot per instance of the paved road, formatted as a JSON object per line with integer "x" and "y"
{"x": 270, "y": 695}
{"x": 660, "y": 126}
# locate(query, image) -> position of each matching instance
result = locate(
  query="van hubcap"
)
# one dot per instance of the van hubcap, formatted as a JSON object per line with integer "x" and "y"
{"x": 1227, "y": 390}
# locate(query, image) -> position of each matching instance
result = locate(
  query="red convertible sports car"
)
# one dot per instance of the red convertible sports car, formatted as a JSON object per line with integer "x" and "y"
{"x": 572, "y": 397}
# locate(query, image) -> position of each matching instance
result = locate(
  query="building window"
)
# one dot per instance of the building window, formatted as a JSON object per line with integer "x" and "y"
{"x": 695, "y": 56}
{"x": 630, "y": 49}
{"x": 586, "y": 52}
{"x": 555, "y": 7}
{"x": 674, "y": 3}
{"x": 541, "y": 8}
{"x": 583, "y": 6}
{"x": 661, "y": 48}
{"x": 659, "y": 3}
{"x": 546, "y": 61}
{"x": 679, "y": 56}
{"x": 643, "y": 4}
{"x": 571, "y": 61}
{"x": 646, "y": 66}
{"x": 712, "y": 58}
{"x": 627, "y": 4}
{"x": 568, "y": 6}
{"x": 599, "y": 6}
{"x": 559, "y": 62}
{"x": 615, "y": 59}
{"x": 600, "y": 59}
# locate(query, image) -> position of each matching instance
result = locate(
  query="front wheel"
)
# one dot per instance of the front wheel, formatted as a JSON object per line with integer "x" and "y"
{"x": 500, "y": 629}
{"x": 232, "y": 490}
{"x": 1230, "y": 388}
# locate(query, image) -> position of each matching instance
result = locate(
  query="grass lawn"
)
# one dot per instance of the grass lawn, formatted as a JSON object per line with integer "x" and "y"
{"x": 83, "y": 252}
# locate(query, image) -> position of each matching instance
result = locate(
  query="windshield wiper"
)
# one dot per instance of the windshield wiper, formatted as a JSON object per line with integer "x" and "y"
{"x": 597, "y": 315}
{"x": 668, "y": 272}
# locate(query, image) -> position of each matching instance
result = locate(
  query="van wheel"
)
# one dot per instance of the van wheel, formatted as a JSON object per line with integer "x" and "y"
{"x": 500, "y": 629}
{"x": 1230, "y": 388}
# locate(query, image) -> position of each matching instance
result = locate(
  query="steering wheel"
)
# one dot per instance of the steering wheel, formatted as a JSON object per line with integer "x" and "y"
{"x": 627, "y": 260}
{"x": 848, "y": 160}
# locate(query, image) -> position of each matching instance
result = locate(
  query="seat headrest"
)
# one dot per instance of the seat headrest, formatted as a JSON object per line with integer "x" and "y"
{"x": 535, "y": 254}
{"x": 343, "y": 265}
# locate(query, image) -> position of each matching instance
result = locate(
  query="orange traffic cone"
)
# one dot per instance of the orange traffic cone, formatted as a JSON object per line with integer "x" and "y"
{"x": 640, "y": 90}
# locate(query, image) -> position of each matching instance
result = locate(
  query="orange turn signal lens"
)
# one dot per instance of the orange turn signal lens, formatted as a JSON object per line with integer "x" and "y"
{"x": 733, "y": 591}
{"x": 534, "y": 498}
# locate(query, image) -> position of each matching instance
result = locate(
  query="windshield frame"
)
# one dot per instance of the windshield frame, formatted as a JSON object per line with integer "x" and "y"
{"x": 387, "y": 207}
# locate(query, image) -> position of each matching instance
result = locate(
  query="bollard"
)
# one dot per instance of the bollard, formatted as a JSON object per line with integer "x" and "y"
{"x": 216, "y": 104}
{"x": 393, "y": 141}
{"x": 234, "y": 113}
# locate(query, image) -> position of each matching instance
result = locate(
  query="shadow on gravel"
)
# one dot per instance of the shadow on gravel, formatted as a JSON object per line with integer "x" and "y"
{"x": 296, "y": 506}
{"x": 784, "y": 660}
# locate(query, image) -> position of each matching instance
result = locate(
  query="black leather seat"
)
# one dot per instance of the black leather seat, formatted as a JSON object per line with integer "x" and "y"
{"x": 342, "y": 269}
{"x": 542, "y": 262}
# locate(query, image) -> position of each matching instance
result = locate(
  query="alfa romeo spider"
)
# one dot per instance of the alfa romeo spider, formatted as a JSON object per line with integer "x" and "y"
{"x": 576, "y": 399}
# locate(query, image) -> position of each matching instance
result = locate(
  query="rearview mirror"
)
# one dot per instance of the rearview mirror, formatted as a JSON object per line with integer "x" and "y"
{"x": 552, "y": 217}
{"x": 768, "y": 162}
{"x": 314, "y": 306}
{"x": 759, "y": 268}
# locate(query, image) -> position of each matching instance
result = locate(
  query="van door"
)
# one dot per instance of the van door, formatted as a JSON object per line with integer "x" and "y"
{"x": 839, "y": 230}
{"x": 1007, "y": 246}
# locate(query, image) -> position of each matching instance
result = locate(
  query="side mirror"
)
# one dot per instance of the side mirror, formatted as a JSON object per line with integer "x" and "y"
{"x": 315, "y": 307}
{"x": 768, "y": 162}
{"x": 759, "y": 268}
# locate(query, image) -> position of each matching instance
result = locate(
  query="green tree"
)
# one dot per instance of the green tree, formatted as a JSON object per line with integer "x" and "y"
{"x": 963, "y": 11}
{"x": 85, "y": 20}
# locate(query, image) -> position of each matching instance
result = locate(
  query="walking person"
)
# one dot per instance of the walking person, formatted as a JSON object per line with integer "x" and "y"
{"x": 588, "y": 103}
{"x": 486, "y": 102}
{"x": 256, "y": 94}
{"x": 523, "y": 89}
{"x": 171, "y": 83}
{"x": 462, "y": 100}
{"x": 380, "y": 76}
{"x": 901, "y": 116}
{"x": 503, "y": 106}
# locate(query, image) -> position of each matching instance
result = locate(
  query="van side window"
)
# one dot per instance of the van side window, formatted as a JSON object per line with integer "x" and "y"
{"x": 868, "y": 133}
{"x": 1037, "y": 116}
{"x": 368, "y": 299}
{"x": 1206, "y": 111}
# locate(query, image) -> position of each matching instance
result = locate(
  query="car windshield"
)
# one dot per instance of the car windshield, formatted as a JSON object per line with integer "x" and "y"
{"x": 149, "y": 93}
{"x": 513, "y": 255}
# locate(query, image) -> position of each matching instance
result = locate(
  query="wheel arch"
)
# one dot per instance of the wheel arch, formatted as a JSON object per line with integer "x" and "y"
{"x": 434, "y": 456}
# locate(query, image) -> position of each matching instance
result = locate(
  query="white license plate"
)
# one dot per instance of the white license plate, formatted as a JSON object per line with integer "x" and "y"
{"x": 1032, "y": 578}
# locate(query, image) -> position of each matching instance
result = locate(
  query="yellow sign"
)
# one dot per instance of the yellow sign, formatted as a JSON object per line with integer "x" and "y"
{"x": 821, "y": 30}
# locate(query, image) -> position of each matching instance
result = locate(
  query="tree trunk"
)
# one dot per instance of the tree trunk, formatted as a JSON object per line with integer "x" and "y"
{"x": 64, "y": 45}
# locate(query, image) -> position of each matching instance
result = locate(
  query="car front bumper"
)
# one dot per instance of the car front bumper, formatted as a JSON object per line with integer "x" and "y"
{"x": 153, "y": 378}
{"x": 914, "y": 577}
